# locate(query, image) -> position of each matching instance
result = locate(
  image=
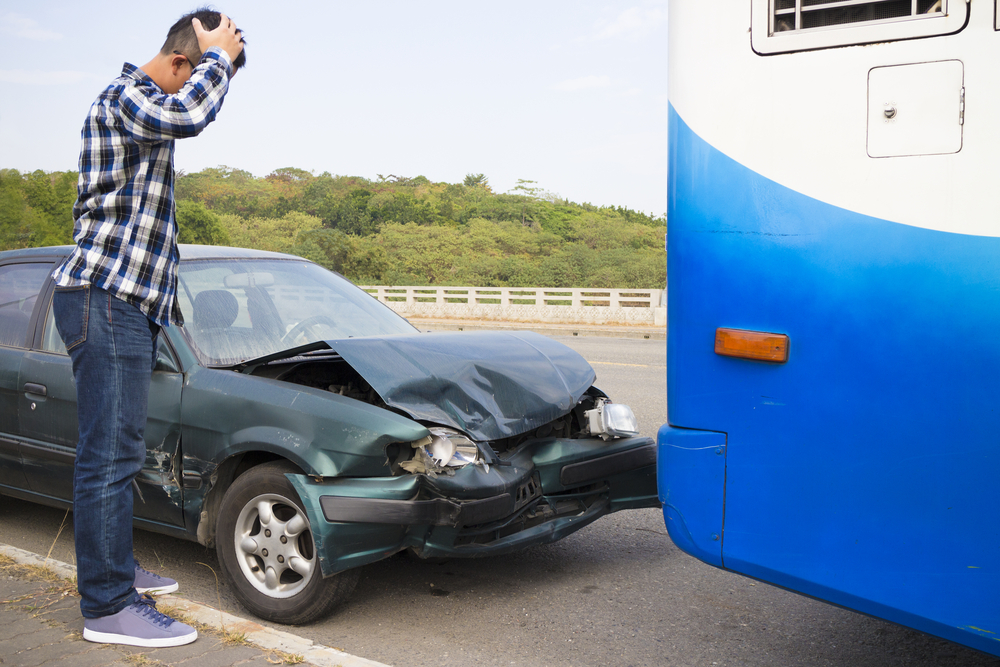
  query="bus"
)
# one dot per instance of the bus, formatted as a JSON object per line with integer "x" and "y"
{"x": 833, "y": 345}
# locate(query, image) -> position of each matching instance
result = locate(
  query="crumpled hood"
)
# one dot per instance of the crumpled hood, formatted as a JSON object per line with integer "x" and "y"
{"x": 490, "y": 385}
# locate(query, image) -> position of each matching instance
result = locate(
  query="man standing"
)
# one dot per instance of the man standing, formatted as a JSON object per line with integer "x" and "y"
{"x": 114, "y": 292}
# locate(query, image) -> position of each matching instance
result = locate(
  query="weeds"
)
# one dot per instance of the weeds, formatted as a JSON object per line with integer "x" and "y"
{"x": 282, "y": 658}
{"x": 37, "y": 602}
{"x": 11, "y": 568}
{"x": 58, "y": 533}
{"x": 140, "y": 659}
{"x": 234, "y": 638}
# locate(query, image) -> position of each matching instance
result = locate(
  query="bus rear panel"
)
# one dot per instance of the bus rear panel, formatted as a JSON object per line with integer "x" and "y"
{"x": 832, "y": 180}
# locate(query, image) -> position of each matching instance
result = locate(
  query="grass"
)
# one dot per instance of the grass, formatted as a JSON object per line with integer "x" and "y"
{"x": 233, "y": 638}
{"x": 282, "y": 658}
{"x": 37, "y": 603}
{"x": 11, "y": 568}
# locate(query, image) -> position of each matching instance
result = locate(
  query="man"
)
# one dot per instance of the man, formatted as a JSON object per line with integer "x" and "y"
{"x": 114, "y": 292}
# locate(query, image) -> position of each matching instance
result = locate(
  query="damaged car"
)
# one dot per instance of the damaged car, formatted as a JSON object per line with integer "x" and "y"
{"x": 303, "y": 429}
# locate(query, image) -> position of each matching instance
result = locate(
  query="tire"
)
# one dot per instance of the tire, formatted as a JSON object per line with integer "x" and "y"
{"x": 267, "y": 552}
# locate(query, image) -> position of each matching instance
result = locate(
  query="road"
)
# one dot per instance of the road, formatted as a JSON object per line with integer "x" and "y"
{"x": 615, "y": 593}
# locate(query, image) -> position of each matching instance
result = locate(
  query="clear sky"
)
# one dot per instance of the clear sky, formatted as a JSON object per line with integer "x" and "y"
{"x": 569, "y": 93}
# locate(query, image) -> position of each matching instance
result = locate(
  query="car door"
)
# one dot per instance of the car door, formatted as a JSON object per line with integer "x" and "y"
{"x": 20, "y": 283}
{"x": 49, "y": 430}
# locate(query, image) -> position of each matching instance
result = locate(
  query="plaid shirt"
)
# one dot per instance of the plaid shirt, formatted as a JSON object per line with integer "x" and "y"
{"x": 125, "y": 232}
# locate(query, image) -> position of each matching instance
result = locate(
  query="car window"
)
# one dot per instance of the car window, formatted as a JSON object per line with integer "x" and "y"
{"x": 19, "y": 287}
{"x": 236, "y": 310}
{"x": 51, "y": 341}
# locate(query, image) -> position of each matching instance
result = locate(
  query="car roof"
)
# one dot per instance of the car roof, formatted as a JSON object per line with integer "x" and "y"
{"x": 187, "y": 251}
{"x": 51, "y": 251}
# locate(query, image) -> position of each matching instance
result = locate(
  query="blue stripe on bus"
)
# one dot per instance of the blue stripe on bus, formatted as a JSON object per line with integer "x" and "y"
{"x": 866, "y": 469}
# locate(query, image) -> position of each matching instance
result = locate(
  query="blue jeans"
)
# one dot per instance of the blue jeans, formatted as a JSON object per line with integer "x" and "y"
{"x": 113, "y": 348}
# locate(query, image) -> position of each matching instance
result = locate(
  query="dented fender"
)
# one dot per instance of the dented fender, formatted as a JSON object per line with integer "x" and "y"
{"x": 322, "y": 433}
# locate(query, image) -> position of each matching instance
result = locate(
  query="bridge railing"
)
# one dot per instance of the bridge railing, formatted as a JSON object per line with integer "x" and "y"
{"x": 527, "y": 304}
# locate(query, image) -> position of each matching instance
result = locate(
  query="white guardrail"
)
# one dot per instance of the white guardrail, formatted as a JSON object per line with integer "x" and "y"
{"x": 562, "y": 305}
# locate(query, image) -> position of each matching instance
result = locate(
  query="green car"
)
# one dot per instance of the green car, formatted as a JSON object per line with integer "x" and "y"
{"x": 304, "y": 429}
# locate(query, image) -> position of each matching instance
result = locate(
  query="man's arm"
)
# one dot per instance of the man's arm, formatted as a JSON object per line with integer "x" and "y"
{"x": 150, "y": 115}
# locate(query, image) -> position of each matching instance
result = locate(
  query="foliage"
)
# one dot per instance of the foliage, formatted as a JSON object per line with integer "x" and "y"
{"x": 507, "y": 254}
{"x": 347, "y": 255}
{"x": 391, "y": 230}
{"x": 196, "y": 224}
{"x": 36, "y": 209}
{"x": 274, "y": 234}
{"x": 476, "y": 181}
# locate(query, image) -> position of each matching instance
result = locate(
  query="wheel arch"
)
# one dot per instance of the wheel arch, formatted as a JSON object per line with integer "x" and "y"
{"x": 222, "y": 478}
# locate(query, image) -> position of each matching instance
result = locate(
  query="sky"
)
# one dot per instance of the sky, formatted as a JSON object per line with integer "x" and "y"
{"x": 571, "y": 94}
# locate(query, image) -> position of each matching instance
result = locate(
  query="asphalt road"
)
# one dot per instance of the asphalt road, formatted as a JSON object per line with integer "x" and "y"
{"x": 615, "y": 593}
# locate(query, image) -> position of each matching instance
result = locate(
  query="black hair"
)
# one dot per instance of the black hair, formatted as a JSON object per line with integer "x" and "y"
{"x": 181, "y": 38}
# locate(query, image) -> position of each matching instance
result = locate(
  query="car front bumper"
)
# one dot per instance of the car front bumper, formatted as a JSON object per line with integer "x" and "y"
{"x": 544, "y": 491}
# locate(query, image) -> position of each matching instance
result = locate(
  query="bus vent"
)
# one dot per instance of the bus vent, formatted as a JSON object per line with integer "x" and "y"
{"x": 800, "y": 15}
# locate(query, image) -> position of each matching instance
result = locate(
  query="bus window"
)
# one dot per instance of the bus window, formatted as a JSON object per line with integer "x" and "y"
{"x": 780, "y": 26}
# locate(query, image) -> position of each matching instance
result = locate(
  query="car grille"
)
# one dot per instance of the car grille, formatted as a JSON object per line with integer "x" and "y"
{"x": 532, "y": 508}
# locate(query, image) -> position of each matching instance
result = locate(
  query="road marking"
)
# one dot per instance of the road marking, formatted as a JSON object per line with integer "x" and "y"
{"x": 615, "y": 363}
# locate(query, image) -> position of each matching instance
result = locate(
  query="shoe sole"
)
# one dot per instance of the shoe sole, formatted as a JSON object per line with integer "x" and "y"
{"x": 161, "y": 642}
{"x": 163, "y": 590}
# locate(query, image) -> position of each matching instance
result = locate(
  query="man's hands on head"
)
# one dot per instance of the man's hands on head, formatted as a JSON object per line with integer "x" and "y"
{"x": 225, "y": 36}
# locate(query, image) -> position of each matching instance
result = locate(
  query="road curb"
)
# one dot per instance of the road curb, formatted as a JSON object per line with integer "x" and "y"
{"x": 259, "y": 635}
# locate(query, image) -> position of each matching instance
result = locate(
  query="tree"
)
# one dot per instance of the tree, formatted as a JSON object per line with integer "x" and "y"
{"x": 196, "y": 224}
{"x": 35, "y": 209}
{"x": 15, "y": 216}
{"x": 529, "y": 194}
{"x": 274, "y": 234}
{"x": 526, "y": 188}
{"x": 290, "y": 174}
{"x": 477, "y": 181}
{"x": 392, "y": 230}
{"x": 348, "y": 255}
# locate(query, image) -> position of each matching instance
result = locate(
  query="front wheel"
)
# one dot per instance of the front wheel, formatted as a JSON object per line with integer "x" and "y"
{"x": 266, "y": 549}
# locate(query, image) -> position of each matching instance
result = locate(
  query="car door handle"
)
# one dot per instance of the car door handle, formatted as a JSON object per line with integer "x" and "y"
{"x": 36, "y": 389}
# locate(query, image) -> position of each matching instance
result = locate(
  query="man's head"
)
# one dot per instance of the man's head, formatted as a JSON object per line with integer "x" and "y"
{"x": 182, "y": 40}
{"x": 181, "y": 53}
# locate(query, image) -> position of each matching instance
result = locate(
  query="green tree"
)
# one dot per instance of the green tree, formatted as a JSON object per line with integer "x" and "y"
{"x": 477, "y": 181}
{"x": 274, "y": 234}
{"x": 15, "y": 214}
{"x": 348, "y": 255}
{"x": 196, "y": 224}
{"x": 32, "y": 213}
{"x": 350, "y": 214}
{"x": 391, "y": 230}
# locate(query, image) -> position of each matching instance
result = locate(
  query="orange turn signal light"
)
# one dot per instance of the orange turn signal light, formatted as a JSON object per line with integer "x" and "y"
{"x": 757, "y": 345}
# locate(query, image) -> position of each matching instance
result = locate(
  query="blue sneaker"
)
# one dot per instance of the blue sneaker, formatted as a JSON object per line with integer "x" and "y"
{"x": 154, "y": 584}
{"x": 139, "y": 625}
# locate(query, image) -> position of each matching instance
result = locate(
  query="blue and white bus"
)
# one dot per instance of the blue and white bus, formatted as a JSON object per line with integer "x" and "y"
{"x": 833, "y": 353}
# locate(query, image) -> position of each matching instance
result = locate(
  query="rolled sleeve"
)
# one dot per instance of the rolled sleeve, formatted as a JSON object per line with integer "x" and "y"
{"x": 150, "y": 115}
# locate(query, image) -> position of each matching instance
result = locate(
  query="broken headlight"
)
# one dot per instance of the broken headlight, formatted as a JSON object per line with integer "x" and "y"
{"x": 610, "y": 420}
{"x": 442, "y": 450}
{"x": 451, "y": 448}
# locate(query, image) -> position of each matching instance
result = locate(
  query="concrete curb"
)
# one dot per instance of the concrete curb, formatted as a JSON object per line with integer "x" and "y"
{"x": 259, "y": 635}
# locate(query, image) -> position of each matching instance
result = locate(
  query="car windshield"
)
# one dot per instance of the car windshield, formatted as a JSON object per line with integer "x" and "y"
{"x": 239, "y": 309}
